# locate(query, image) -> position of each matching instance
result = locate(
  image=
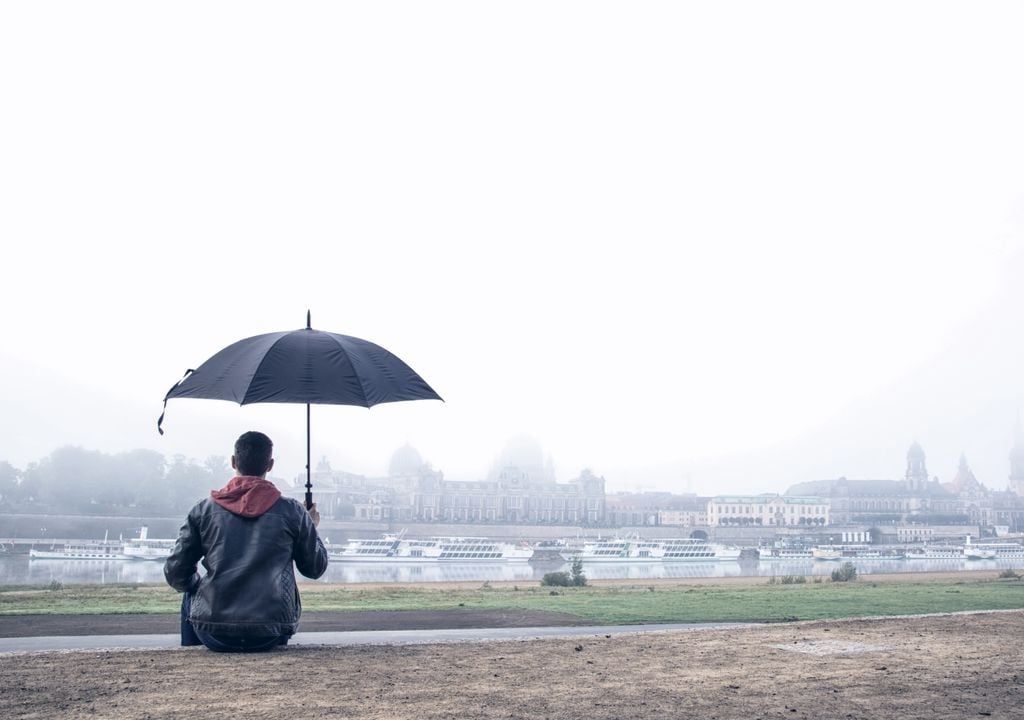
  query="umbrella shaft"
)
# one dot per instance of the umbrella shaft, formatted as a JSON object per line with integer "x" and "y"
{"x": 309, "y": 472}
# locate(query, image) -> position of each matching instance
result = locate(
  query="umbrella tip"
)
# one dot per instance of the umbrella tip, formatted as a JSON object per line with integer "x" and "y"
{"x": 309, "y": 325}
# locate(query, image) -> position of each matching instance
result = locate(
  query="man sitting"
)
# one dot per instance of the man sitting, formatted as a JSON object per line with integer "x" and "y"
{"x": 247, "y": 536}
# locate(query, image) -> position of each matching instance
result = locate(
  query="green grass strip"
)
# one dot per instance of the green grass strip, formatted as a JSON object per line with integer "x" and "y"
{"x": 600, "y": 604}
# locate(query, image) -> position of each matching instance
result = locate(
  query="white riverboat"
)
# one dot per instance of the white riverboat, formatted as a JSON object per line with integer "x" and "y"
{"x": 936, "y": 552}
{"x": 978, "y": 552}
{"x": 958, "y": 552}
{"x": 855, "y": 552}
{"x": 80, "y": 550}
{"x": 146, "y": 548}
{"x": 826, "y": 553}
{"x": 969, "y": 551}
{"x": 669, "y": 550}
{"x": 395, "y": 548}
{"x": 1005, "y": 550}
{"x": 773, "y": 554}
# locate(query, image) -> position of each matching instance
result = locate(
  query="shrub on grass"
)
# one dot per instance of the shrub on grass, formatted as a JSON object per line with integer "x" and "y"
{"x": 846, "y": 573}
{"x": 556, "y": 579}
{"x": 793, "y": 579}
{"x": 1009, "y": 574}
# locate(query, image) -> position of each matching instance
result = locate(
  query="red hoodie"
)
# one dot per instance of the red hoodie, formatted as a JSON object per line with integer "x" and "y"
{"x": 247, "y": 495}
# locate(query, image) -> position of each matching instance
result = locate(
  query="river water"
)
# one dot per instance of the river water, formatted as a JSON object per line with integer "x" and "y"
{"x": 19, "y": 569}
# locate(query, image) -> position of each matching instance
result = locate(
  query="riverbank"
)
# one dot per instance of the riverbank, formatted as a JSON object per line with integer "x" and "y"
{"x": 909, "y": 668}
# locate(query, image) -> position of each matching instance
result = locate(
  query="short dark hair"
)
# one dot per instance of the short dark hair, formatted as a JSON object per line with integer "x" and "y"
{"x": 253, "y": 451}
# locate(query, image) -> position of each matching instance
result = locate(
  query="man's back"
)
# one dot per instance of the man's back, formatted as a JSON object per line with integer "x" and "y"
{"x": 249, "y": 587}
{"x": 247, "y": 537}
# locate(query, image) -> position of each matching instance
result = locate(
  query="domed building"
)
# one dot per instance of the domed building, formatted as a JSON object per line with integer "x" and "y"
{"x": 522, "y": 490}
{"x": 523, "y": 457}
{"x": 405, "y": 461}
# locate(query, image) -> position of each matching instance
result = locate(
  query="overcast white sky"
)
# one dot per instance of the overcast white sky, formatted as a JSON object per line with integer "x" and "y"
{"x": 688, "y": 245}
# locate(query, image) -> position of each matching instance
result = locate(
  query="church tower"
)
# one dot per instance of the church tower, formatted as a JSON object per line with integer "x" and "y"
{"x": 964, "y": 481}
{"x": 1017, "y": 461}
{"x": 916, "y": 478}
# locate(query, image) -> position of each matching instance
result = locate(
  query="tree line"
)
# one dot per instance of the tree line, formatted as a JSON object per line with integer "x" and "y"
{"x": 77, "y": 481}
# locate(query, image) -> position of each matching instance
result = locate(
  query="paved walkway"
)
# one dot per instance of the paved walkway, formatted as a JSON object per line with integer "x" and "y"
{"x": 375, "y": 637}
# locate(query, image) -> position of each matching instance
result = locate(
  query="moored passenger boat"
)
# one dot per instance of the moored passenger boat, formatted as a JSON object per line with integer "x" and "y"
{"x": 969, "y": 551}
{"x": 81, "y": 550}
{"x": 146, "y": 548}
{"x": 774, "y": 554}
{"x": 936, "y": 552}
{"x": 979, "y": 552}
{"x": 826, "y": 552}
{"x": 393, "y": 547}
{"x": 855, "y": 552}
{"x": 636, "y": 550}
{"x": 1009, "y": 551}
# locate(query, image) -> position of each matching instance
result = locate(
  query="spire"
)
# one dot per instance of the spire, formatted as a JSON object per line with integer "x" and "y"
{"x": 917, "y": 472}
{"x": 965, "y": 480}
{"x": 1017, "y": 459}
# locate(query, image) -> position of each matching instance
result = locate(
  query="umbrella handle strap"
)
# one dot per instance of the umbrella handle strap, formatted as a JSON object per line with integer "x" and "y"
{"x": 160, "y": 420}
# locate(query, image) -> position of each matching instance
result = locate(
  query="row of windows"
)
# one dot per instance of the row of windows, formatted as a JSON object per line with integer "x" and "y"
{"x": 761, "y": 509}
{"x": 691, "y": 553}
{"x": 781, "y": 521}
{"x": 468, "y": 548}
{"x": 877, "y": 505}
{"x": 515, "y": 501}
{"x": 510, "y": 515}
{"x": 470, "y": 555}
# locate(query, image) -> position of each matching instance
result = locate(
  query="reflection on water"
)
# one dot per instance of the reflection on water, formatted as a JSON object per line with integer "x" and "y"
{"x": 20, "y": 570}
{"x": 653, "y": 571}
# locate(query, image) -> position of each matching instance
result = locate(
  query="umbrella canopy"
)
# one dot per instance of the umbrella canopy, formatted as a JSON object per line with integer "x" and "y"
{"x": 304, "y": 366}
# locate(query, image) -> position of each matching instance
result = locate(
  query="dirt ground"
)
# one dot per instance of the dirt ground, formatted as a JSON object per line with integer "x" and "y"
{"x": 958, "y": 666}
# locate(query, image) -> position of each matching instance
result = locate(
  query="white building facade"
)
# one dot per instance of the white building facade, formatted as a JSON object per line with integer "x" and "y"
{"x": 768, "y": 510}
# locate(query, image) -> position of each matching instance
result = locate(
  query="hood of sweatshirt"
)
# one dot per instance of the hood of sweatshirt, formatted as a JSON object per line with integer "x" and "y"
{"x": 247, "y": 496}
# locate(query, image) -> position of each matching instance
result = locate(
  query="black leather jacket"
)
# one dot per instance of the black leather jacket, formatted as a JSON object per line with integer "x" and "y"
{"x": 249, "y": 587}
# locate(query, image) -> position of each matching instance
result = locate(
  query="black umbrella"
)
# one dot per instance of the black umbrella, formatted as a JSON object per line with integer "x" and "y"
{"x": 302, "y": 366}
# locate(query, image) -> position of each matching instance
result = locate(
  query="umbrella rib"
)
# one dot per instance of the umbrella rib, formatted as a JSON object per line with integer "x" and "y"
{"x": 259, "y": 367}
{"x": 362, "y": 388}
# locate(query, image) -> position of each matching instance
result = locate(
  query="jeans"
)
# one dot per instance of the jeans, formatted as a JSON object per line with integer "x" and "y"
{"x": 224, "y": 643}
